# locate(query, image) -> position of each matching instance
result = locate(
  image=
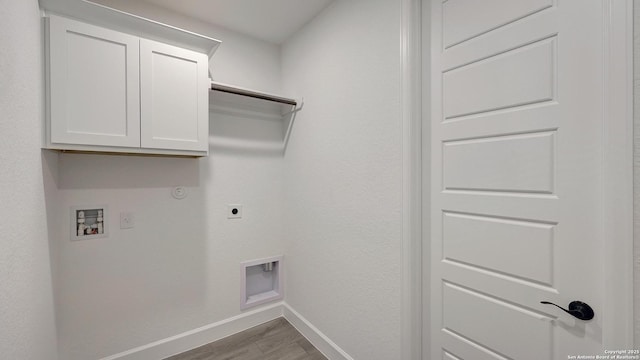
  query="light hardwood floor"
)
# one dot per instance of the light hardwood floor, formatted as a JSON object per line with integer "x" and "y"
{"x": 274, "y": 340}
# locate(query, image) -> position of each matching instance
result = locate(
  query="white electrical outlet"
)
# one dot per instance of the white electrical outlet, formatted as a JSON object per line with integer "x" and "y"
{"x": 127, "y": 220}
{"x": 234, "y": 211}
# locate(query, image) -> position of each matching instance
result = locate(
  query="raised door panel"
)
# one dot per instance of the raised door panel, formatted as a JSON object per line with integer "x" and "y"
{"x": 523, "y": 76}
{"x": 466, "y": 19}
{"x": 93, "y": 85}
{"x": 174, "y": 97}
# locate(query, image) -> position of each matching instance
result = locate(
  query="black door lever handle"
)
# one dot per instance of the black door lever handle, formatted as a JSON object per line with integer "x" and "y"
{"x": 577, "y": 309}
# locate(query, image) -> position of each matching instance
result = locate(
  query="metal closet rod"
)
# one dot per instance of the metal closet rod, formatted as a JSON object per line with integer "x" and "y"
{"x": 251, "y": 93}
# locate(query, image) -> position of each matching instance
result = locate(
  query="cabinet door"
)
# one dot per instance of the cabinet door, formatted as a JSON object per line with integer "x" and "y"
{"x": 94, "y": 78}
{"x": 174, "y": 97}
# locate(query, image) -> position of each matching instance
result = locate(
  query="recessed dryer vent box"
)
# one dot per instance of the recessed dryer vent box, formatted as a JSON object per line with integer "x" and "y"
{"x": 261, "y": 281}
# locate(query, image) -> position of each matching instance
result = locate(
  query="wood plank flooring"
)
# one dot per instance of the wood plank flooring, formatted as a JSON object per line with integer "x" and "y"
{"x": 274, "y": 340}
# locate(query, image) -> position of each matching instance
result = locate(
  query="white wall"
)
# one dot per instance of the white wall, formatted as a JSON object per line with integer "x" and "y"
{"x": 27, "y": 329}
{"x": 179, "y": 268}
{"x": 636, "y": 165}
{"x": 343, "y": 176}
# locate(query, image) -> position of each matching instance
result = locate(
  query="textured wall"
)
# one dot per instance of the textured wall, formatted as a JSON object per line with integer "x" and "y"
{"x": 27, "y": 329}
{"x": 636, "y": 166}
{"x": 178, "y": 269}
{"x": 343, "y": 176}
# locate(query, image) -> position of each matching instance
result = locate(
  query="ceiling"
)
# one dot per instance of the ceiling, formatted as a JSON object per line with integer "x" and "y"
{"x": 269, "y": 20}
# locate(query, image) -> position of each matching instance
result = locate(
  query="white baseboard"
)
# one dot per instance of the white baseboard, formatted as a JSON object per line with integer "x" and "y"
{"x": 203, "y": 335}
{"x": 317, "y": 338}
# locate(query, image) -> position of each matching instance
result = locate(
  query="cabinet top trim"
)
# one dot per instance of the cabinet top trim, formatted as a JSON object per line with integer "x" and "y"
{"x": 101, "y": 15}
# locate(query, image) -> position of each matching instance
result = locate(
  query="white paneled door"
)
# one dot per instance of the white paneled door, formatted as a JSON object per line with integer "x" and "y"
{"x": 517, "y": 149}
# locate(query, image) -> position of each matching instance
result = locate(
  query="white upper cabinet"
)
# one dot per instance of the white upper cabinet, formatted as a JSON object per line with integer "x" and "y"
{"x": 174, "y": 97}
{"x": 108, "y": 91}
{"x": 94, "y": 79}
